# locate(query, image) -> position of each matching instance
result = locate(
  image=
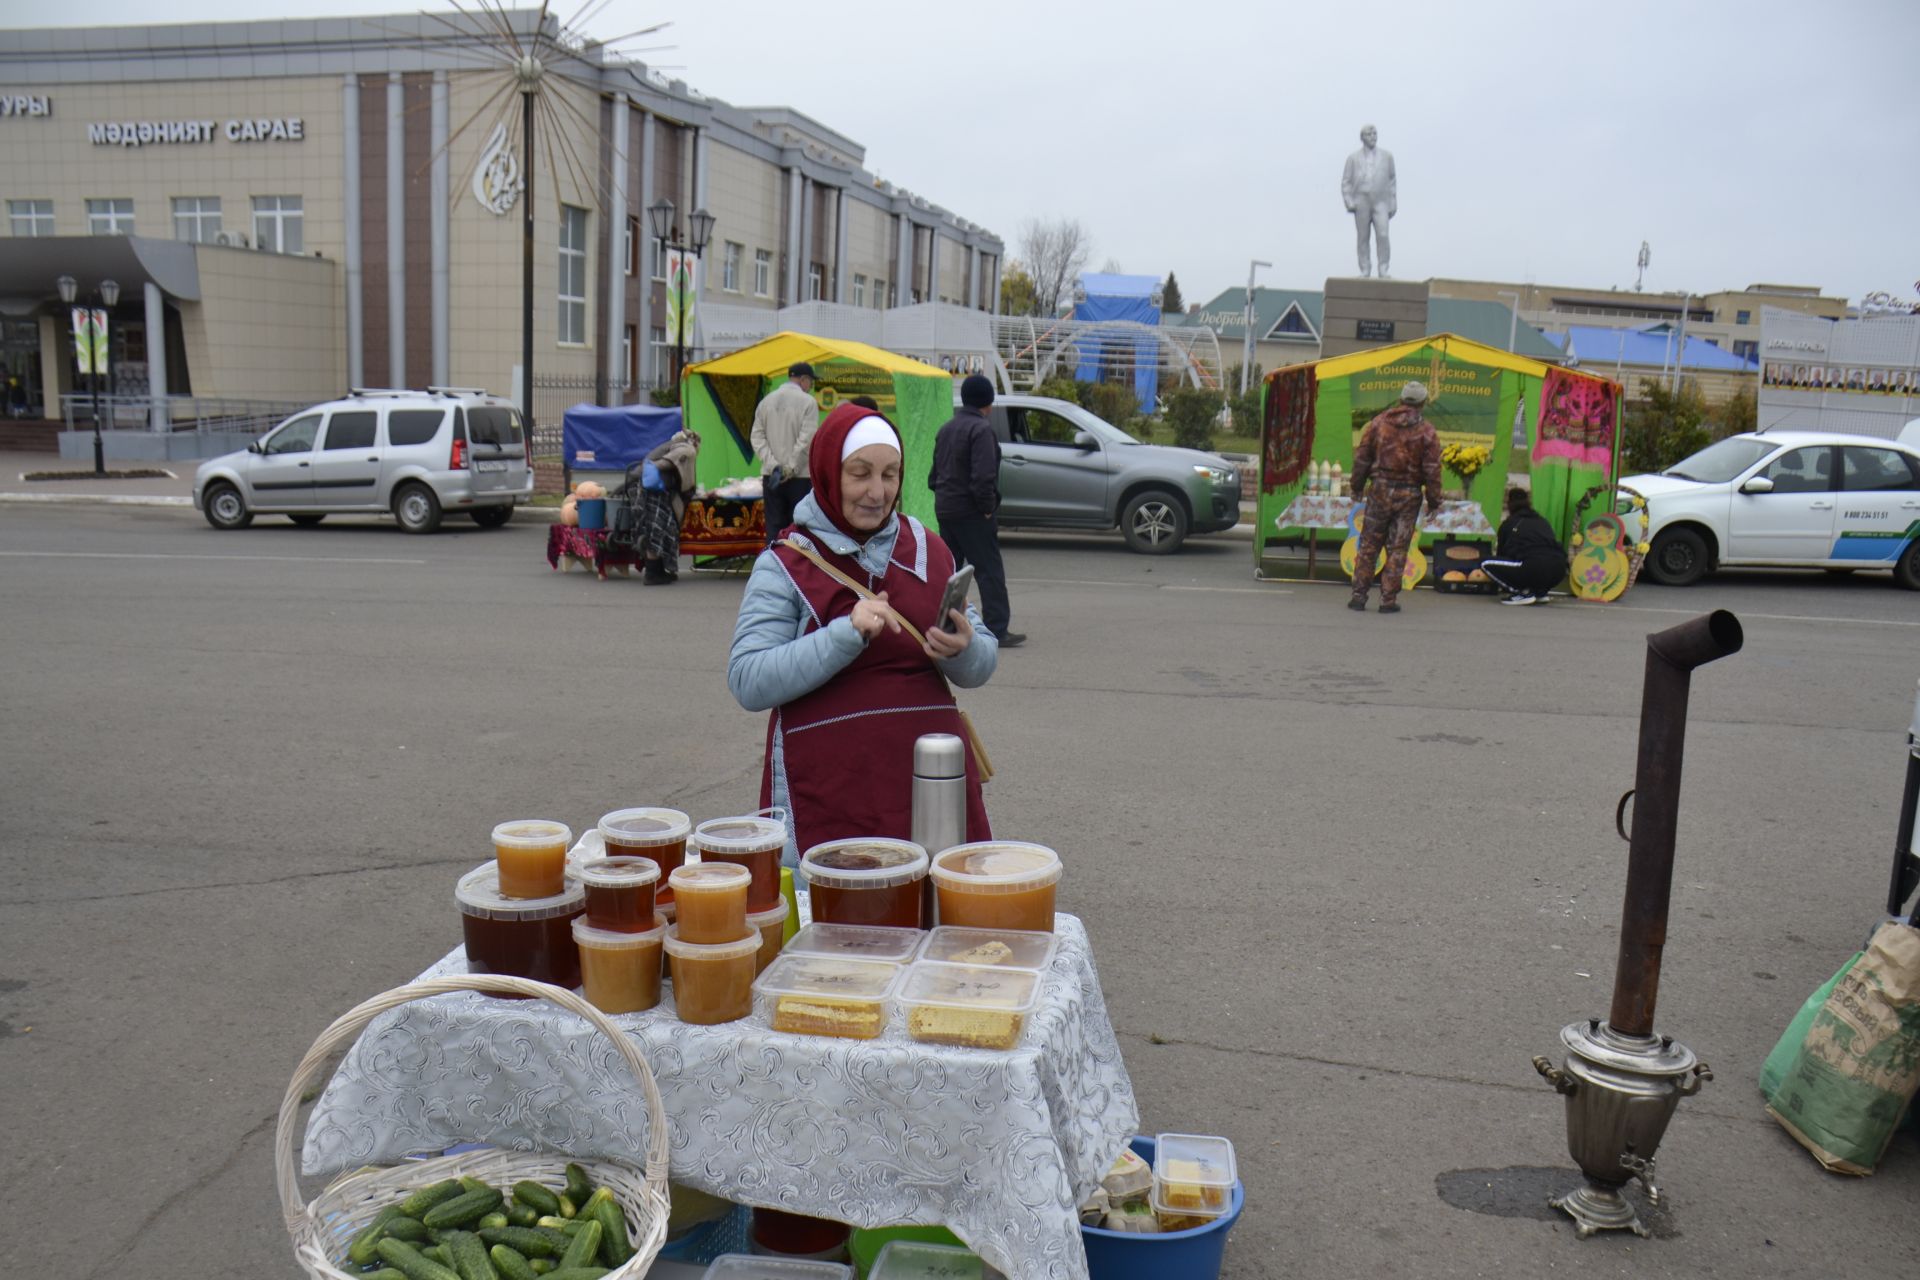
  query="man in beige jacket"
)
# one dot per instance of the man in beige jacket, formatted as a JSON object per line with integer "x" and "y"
{"x": 783, "y": 427}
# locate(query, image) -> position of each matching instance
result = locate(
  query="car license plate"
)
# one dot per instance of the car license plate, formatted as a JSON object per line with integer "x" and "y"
{"x": 490, "y": 466}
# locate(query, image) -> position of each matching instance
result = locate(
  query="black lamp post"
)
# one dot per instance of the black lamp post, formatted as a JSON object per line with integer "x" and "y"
{"x": 700, "y": 226}
{"x": 108, "y": 294}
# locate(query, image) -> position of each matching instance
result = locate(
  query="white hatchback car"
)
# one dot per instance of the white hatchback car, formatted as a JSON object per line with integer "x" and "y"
{"x": 1813, "y": 499}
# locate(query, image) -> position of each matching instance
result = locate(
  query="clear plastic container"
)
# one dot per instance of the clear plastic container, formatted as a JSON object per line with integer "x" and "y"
{"x": 620, "y": 892}
{"x": 740, "y": 1266}
{"x": 771, "y": 925}
{"x": 968, "y": 1006}
{"x": 997, "y": 884}
{"x": 810, "y": 995}
{"x": 711, "y": 901}
{"x": 532, "y": 855}
{"x": 753, "y": 841}
{"x": 712, "y": 984}
{"x": 521, "y": 937}
{"x": 647, "y": 832}
{"x": 619, "y": 972}
{"x": 917, "y": 1260}
{"x": 1193, "y": 1175}
{"x": 859, "y": 942}
{"x": 1003, "y": 948}
{"x": 866, "y": 880}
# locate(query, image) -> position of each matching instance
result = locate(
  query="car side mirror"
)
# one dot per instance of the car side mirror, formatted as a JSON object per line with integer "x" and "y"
{"x": 1758, "y": 484}
{"x": 256, "y": 447}
{"x": 1084, "y": 441}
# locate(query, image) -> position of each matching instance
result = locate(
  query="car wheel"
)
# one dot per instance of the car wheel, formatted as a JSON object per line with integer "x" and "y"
{"x": 225, "y": 508}
{"x": 417, "y": 510}
{"x": 492, "y": 517}
{"x": 1906, "y": 570}
{"x": 307, "y": 521}
{"x": 1154, "y": 523}
{"x": 1679, "y": 558}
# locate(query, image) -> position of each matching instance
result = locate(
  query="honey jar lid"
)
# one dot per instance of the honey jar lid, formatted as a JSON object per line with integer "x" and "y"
{"x": 1205, "y": 1160}
{"x": 864, "y": 862}
{"x": 646, "y": 825}
{"x": 715, "y": 877}
{"x": 614, "y": 940}
{"x": 532, "y": 833}
{"x": 1001, "y": 948}
{"x": 775, "y": 914}
{"x": 747, "y": 946}
{"x": 971, "y": 986}
{"x": 858, "y": 942}
{"x": 794, "y": 974}
{"x": 478, "y": 893}
{"x": 749, "y": 833}
{"x": 918, "y": 1260}
{"x": 997, "y": 866}
{"x": 616, "y": 873}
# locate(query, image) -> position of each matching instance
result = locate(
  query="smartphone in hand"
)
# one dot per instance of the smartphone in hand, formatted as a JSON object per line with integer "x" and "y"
{"x": 955, "y": 597}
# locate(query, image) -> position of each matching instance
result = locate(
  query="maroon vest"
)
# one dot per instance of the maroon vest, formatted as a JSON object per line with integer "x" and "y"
{"x": 848, "y": 745}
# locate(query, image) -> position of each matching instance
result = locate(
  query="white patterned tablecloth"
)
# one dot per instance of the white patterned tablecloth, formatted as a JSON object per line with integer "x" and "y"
{"x": 999, "y": 1147}
{"x": 1327, "y": 511}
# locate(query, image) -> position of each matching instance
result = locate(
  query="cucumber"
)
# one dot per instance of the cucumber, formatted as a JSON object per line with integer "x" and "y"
{"x": 616, "y": 1246}
{"x": 408, "y": 1260}
{"x": 568, "y": 1209}
{"x": 511, "y": 1264}
{"x": 494, "y": 1219}
{"x": 579, "y": 1185}
{"x": 438, "y": 1253}
{"x": 522, "y": 1240}
{"x": 469, "y": 1256}
{"x": 554, "y": 1223}
{"x": 465, "y": 1208}
{"x": 411, "y": 1230}
{"x": 577, "y": 1273}
{"x": 584, "y": 1249}
{"x": 521, "y": 1214}
{"x": 529, "y": 1192}
{"x": 541, "y": 1266}
{"x": 384, "y": 1273}
{"x": 473, "y": 1184}
{"x": 360, "y": 1252}
{"x": 562, "y": 1240}
{"x": 426, "y": 1197}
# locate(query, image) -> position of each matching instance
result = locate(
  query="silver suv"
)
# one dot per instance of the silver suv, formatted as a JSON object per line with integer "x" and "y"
{"x": 417, "y": 454}
{"x": 1063, "y": 468}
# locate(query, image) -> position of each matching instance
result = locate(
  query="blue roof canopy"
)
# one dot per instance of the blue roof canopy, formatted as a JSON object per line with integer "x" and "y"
{"x": 1597, "y": 345}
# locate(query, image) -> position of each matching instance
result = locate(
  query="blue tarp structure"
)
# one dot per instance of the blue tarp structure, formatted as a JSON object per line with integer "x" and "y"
{"x": 1124, "y": 298}
{"x": 613, "y": 439}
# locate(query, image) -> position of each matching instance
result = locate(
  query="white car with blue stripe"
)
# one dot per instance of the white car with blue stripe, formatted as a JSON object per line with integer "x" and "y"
{"x": 1794, "y": 498}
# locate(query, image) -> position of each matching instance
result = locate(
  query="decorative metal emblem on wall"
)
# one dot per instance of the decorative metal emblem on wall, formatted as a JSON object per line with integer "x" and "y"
{"x": 496, "y": 179}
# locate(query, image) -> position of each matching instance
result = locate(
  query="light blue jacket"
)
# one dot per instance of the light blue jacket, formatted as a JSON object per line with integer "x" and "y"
{"x": 772, "y": 662}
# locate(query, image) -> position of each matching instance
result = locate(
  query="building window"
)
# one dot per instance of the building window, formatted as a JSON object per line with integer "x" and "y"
{"x": 816, "y": 274}
{"x": 879, "y": 293}
{"x": 730, "y": 267}
{"x": 859, "y": 290}
{"x": 31, "y": 217}
{"x": 658, "y": 269}
{"x": 279, "y": 224}
{"x": 662, "y": 353}
{"x": 110, "y": 217}
{"x": 196, "y": 218}
{"x": 630, "y": 247}
{"x": 1747, "y": 350}
{"x": 573, "y": 275}
{"x": 762, "y": 272}
{"x": 1743, "y": 317}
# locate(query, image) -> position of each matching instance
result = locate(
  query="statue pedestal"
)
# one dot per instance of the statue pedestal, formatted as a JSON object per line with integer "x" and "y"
{"x": 1361, "y": 313}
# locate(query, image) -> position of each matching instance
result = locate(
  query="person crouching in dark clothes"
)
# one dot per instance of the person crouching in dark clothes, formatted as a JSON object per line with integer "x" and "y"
{"x": 1528, "y": 560}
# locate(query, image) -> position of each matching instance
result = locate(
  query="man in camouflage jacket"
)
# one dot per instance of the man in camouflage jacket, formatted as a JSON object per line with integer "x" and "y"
{"x": 1396, "y": 463}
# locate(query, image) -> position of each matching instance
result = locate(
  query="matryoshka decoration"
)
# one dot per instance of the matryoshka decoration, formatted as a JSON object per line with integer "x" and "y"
{"x": 1350, "y": 552}
{"x": 1600, "y": 565}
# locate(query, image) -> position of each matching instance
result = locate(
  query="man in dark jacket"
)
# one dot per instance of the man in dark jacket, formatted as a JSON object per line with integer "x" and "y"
{"x": 1528, "y": 560}
{"x": 966, "y": 492}
{"x": 1396, "y": 463}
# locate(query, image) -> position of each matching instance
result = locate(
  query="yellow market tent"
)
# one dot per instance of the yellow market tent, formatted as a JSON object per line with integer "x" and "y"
{"x": 718, "y": 398}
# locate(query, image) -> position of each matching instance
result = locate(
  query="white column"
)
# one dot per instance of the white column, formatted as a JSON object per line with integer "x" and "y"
{"x": 643, "y": 311}
{"x": 973, "y": 276}
{"x": 903, "y": 262}
{"x": 933, "y": 263}
{"x": 993, "y": 290}
{"x": 396, "y": 231}
{"x": 840, "y": 245}
{"x": 442, "y": 202}
{"x": 795, "y": 186}
{"x": 616, "y": 260}
{"x": 157, "y": 416}
{"x": 350, "y": 200}
{"x": 806, "y": 238}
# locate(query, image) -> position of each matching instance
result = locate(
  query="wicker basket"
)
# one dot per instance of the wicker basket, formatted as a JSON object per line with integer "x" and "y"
{"x": 322, "y": 1230}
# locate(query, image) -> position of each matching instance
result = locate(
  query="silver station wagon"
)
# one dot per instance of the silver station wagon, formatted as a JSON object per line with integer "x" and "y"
{"x": 415, "y": 454}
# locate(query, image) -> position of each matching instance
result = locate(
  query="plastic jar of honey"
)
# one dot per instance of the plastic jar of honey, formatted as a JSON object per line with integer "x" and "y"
{"x": 997, "y": 884}
{"x": 754, "y": 842}
{"x": 619, "y": 972}
{"x": 521, "y": 937}
{"x": 771, "y": 925}
{"x": 532, "y": 854}
{"x": 712, "y": 983}
{"x": 619, "y": 893}
{"x": 711, "y": 901}
{"x": 866, "y": 880}
{"x": 659, "y": 834}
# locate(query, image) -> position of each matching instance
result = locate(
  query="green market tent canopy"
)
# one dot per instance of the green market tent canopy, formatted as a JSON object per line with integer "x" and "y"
{"x": 1562, "y": 422}
{"x": 718, "y": 398}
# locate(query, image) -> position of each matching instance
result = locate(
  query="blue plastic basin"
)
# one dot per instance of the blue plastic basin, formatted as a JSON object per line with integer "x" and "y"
{"x": 1195, "y": 1254}
{"x": 593, "y": 513}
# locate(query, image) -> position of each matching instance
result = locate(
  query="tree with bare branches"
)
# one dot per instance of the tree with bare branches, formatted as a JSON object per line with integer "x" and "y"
{"x": 1055, "y": 251}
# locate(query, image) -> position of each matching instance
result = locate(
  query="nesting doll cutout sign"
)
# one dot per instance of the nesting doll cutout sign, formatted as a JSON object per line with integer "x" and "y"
{"x": 1350, "y": 551}
{"x": 1600, "y": 566}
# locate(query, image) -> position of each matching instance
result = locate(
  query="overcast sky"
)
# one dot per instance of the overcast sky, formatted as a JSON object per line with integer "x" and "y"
{"x": 1747, "y": 142}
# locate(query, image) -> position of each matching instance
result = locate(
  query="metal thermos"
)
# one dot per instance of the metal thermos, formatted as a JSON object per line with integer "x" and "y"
{"x": 939, "y": 801}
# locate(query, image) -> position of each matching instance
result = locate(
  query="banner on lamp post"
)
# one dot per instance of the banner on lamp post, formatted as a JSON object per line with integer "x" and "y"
{"x": 683, "y": 287}
{"x": 89, "y": 340}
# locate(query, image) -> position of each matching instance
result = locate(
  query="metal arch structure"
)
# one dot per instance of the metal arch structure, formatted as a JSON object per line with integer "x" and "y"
{"x": 1032, "y": 349}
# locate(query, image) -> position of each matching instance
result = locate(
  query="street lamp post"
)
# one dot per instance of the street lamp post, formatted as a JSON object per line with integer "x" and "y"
{"x": 700, "y": 227}
{"x": 1513, "y": 316}
{"x": 1246, "y": 324}
{"x": 108, "y": 295}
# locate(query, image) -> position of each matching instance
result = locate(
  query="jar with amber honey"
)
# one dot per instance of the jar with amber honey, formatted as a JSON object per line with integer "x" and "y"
{"x": 532, "y": 855}
{"x": 619, "y": 972}
{"x": 648, "y": 832}
{"x": 711, "y": 899}
{"x": 522, "y": 937}
{"x": 619, "y": 892}
{"x": 755, "y": 842}
{"x": 997, "y": 884}
{"x": 867, "y": 880}
{"x": 712, "y": 984}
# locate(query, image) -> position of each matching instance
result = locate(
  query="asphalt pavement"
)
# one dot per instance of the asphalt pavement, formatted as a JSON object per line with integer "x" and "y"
{"x": 1345, "y": 874}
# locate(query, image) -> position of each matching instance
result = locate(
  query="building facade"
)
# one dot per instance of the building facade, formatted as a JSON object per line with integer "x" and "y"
{"x": 301, "y": 206}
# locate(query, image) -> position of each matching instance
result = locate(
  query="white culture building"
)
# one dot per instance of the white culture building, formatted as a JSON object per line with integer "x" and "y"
{"x": 293, "y": 207}
{"x": 1860, "y": 376}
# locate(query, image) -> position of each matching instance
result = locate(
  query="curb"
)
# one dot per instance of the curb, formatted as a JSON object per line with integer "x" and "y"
{"x": 110, "y": 499}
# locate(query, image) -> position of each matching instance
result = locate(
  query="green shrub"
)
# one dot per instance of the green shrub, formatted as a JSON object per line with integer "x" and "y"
{"x": 1190, "y": 415}
{"x": 1113, "y": 402}
{"x": 1665, "y": 426}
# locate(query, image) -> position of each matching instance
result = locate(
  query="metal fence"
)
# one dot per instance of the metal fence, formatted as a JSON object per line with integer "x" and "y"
{"x": 78, "y": 412}
{"x": 553, "y": 395}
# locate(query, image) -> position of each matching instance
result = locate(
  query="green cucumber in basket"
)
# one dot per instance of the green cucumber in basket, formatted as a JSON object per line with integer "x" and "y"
{"x": 384, "y": 1273}
{"x": 465, "y": 1208}
{"x": 523, "y": 1240}
{"x": 438, "y": 1253}
{"x": 616, "y": 1245}
{"x": 404, "y": 1258}
{"x": 531, "y": 1193}
{"x": 469, "y": 1256}
{"x": 562, "y": 1240}
{"x": 584, "y": 1249}
{"x": 521, "y": 1214}
{"x": 411, "y": 1230}
{"x": 473, "y": 1184}
{"x": 570, "y": 1226}
{"x": 426, "y": 1197}
{"x": 541, "y": 1266}
{"x": 494, "y": 1219}
{"x": 360, "y": 1252}
{"x": 511, "y": 1264}
{"x": 568, "y": 1208}
{"x": 579, "y": 1185}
